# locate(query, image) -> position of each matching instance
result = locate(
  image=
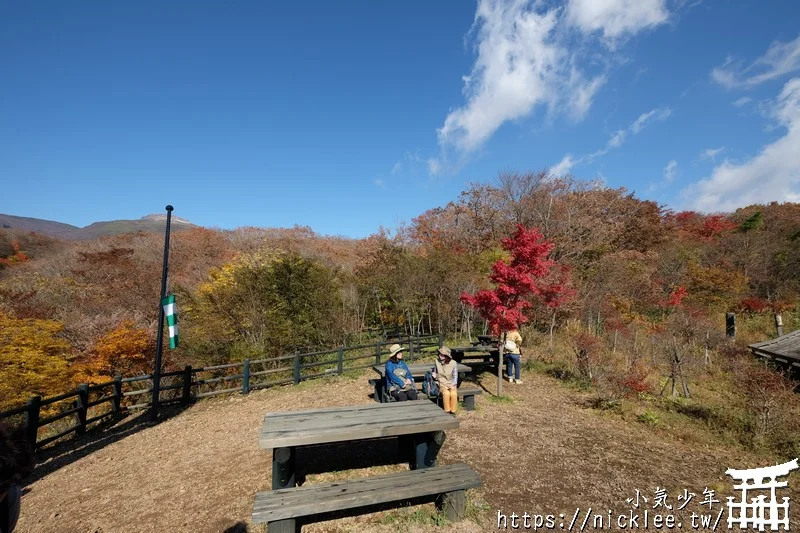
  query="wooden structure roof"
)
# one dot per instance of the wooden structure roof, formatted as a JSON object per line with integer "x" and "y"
{"x": 784, "y": 349}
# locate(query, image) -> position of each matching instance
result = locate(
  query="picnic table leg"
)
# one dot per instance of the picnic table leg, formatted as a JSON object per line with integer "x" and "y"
{"x": 426, "y": 448}
{"x": 288, "y": 525}
{"x": 454, "y": 504}
{"x": 283, "y": 473}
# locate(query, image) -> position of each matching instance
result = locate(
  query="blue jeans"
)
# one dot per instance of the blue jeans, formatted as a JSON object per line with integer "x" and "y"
{"x": 512, "y": 359}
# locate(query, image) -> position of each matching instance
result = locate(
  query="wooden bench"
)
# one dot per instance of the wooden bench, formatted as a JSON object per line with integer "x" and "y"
{"x": 466, "y": 393}
{"x": 446, "y": 485}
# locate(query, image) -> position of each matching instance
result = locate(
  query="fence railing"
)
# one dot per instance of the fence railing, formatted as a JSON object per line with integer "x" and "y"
{"x": 73, "y": 412}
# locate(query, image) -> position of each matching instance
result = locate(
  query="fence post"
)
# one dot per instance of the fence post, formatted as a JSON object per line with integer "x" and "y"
{"x": 246, "y": 377}
{"x": 83, "y": 407}
{"x": 378, "y": 353}
{"x": 33, "y": 405}
{"x": 410, "y": 348}
{"x": 186, "y": 393}
{"x": 340, "y": 361}
{"x": 730, "y": 325}
{"x": 441, "y": 339}
{"x": 778, "y": 324}
{"x": 296, "y": 367}
{"x": 116, "y": 401}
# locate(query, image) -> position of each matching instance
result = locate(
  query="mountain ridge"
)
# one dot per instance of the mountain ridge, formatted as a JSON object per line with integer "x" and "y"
{"x": 151, "y": 223}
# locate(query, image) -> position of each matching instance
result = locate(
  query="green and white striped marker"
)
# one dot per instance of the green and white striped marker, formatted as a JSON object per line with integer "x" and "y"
{"x": 172, "y": 320}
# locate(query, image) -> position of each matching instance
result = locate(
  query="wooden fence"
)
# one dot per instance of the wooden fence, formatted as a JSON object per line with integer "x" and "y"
{"x": 73, "y": 412}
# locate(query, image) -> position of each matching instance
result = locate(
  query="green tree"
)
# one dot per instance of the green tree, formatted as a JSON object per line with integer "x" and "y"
{"x": 262, "y": 304}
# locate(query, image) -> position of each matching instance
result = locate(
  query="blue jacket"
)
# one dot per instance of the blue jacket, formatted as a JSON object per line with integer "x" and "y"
{"x": 396, "y": 373}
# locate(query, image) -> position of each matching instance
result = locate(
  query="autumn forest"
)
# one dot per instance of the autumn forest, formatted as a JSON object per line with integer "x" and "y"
{"x": 642, "y": 286}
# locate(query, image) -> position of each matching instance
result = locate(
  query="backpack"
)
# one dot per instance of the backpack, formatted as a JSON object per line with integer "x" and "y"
{"x": 430, "y": 386}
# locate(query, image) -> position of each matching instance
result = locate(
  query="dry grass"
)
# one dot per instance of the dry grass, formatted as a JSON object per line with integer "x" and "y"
{"x": 542, "y": 452}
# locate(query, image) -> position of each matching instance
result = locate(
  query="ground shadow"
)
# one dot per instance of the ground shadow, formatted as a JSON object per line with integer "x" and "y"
{"x": 319, "y": 458}
{"x": 52, "y": 458}
{"x": 238, "y": 527}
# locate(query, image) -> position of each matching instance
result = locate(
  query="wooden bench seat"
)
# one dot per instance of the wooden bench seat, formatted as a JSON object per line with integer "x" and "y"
{"x": 466, "y": 393}
{"x": 446, "y": 485}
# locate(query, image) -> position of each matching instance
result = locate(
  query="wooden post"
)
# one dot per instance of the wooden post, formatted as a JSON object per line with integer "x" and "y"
{"x": 340, "y": 361}
{"x": 283, "y": 472}
{"x": 33, "y": 405}
{"x": 117, "y": 399}
{"x": 83, "y": 407}
{"x": 410, "y": 348}
{"x": 296, "y": 367}
{"x": 453, "y": 505}
{"x": 186, "y": 393}
{"x": 500, "y": 364}
{"x": 246, "y": 377}
{"x": 287, "y": 525}
{"x": 730, "y": 325}
{"x": 378, "y": 353}
{"x": 441, "y": 339}
{"x": 426, "y": 448}
{"x": 469, "y": 402}
{"x": 779, "y": 324}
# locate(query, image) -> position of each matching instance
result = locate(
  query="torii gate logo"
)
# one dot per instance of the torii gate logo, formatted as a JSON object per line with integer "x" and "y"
{"x": 759, "y": 512}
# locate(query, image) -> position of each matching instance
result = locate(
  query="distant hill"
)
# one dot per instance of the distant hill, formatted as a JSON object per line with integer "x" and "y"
{"x": 58, "y": 230}
{"x": 150, "y": 223}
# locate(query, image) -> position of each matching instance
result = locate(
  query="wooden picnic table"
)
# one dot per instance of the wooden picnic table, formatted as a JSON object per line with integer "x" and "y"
{"x": 283, "y": 432}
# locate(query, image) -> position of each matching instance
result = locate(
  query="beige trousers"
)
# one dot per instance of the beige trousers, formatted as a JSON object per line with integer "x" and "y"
{"x": 450, "y": 399}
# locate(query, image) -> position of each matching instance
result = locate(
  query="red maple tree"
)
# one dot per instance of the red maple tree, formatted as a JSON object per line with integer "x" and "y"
{"x": 528, "y": 275}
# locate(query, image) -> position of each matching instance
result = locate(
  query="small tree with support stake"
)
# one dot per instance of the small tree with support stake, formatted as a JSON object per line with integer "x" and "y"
{"x": 528, "y": 274}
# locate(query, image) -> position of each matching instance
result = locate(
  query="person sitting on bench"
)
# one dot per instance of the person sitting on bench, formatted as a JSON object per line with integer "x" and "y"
{"x": 399, "y": 381}
{"x": 446, "y": 373}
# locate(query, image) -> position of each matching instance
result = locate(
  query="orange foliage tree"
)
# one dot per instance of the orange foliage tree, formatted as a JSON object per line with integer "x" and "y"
{"x": 34, "y": 360}
{"x": 125, "y": 350}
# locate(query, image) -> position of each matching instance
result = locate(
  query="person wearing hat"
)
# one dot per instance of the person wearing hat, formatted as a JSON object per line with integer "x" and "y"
{"x": 446, "y": 374}
{"x": 399, "y": 380}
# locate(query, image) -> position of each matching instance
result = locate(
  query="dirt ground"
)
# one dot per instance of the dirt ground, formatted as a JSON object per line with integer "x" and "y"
{"x": 542, "y": 452}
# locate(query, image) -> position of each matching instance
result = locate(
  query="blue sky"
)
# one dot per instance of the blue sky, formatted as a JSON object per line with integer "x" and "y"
{"x": 349, "y": 116}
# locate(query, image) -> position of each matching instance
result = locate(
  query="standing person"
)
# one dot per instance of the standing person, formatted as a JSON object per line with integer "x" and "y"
{"x": 16, "y": 462}
{"x": 399, "y": 380}
{"x": 512, "y": 353}
{"x": 446, "y": 373}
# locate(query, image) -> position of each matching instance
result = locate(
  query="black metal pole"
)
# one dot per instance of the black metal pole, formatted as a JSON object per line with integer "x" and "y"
{"x": 160, "y": 333}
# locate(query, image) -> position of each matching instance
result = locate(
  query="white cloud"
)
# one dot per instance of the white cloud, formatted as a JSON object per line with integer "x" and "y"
{"x": 742, "y": 101}
{"x": 670, "y": 171}
{"x": 379, "y": 183}
{"x": 656, "y": 114}
{"x": 527, "y": 57}
{"x": 772, "y": 175}
{"x": 562, "y": 167}
{"x": 434, "y": 166}
{"x": 409, "y": 164}
{"x": 616, "y": 140}
{"x": 616, "y": 18}
{"x": 711, "y": 153}
{"x": 779, "y": 60}
{"x": 520, "y": 64}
